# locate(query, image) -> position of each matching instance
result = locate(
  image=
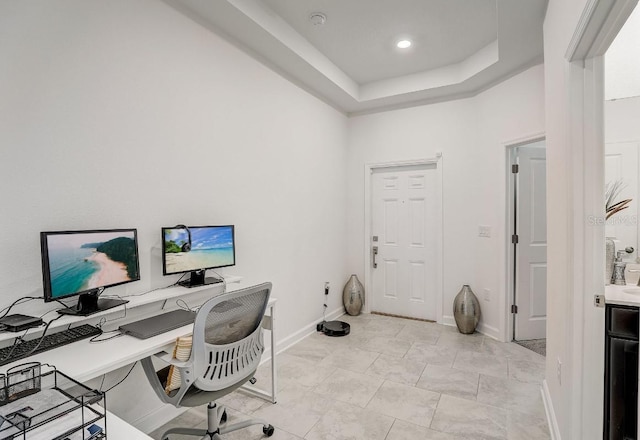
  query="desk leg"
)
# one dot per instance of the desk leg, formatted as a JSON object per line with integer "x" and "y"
{"x": 274, "y": 371}
{"x": 270, "y": 324}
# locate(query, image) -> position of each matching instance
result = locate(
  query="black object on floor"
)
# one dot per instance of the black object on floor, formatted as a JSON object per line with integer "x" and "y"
{"x": 334, "y": 328}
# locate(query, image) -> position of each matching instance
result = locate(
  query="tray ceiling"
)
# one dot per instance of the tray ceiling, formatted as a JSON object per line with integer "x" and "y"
{"x": 459, "y": 47}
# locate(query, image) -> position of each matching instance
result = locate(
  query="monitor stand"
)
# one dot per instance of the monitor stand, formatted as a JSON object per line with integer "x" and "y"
{"x": 197, "y": 278}
{"x": 89, "y": 303}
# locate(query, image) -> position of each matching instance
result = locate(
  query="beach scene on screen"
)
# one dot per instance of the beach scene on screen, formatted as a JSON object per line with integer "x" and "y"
{"x": 210, "y": 247}
{"x": 84, "y": 261}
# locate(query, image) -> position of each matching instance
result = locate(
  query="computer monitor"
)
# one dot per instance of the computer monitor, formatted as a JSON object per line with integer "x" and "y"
{"x": 84, "y": 263}
{"x": 195, "y": 249}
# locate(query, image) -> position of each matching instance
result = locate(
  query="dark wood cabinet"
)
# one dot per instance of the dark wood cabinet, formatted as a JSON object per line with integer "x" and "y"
{"x": 621, "y": 373}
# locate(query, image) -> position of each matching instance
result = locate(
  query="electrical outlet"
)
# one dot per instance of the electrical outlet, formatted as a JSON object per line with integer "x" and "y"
{"x": 487, "y": 295}
{"x": 326, "y": 287}
{"x": 484, "y": 231}
{"x": 559, "y": 372}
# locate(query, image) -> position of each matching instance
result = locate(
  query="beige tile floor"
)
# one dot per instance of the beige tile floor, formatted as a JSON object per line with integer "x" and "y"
{"x": 395, "y": 379}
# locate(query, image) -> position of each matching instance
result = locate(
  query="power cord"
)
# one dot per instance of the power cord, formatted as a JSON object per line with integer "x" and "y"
{"x": 16, "y": 342}
{"x": 118, "y": 383}
{"x": 104, "y": 320}
{"x": 95, "y": 340}
{"x": 5, "y": 311}
{"x": 144, "y": 293}
{"x": 46, "y": 313}
{"x": 44, "y": 332}
{"x": 326, "y": 296}
{"x": 62, "y": 304}
{"x": 19, "y": 340}
{"x": 182, "y": 304}
{"x": 149, "y": 291}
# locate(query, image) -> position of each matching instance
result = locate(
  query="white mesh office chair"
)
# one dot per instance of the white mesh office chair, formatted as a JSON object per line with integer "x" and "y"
{"x": 226, "y": 351}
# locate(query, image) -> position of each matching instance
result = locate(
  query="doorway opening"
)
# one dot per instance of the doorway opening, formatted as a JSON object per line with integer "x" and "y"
{"x": 528, "y": 244}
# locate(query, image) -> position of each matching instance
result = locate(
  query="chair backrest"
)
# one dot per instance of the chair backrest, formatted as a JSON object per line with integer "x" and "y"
{"x": 227, "y": 337}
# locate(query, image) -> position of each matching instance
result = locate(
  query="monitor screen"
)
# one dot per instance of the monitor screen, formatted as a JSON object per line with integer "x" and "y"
{"x": 197, "y": 248}
{"x": 76, "y": 262}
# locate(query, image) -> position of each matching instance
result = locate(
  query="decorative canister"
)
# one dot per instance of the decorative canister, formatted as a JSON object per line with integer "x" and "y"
{"x": 353, "y": 296}
{"x": 610, "y": 256}
{"x": 466, "y": 310}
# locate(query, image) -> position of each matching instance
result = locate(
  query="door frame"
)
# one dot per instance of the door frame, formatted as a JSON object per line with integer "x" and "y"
{"x": 368, "y": 275}
{"x": 510, "y": 146}
{"x": 600, "y": 22}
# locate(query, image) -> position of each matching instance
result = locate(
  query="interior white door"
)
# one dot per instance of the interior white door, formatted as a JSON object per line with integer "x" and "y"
{"x": 531, "y": 250}
{"x": 404, "y": 233}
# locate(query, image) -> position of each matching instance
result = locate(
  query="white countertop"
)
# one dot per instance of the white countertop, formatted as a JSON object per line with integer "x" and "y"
{"x": 628, "y": 295}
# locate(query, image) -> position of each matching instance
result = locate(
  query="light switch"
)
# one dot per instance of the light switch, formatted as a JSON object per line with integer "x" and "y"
{"x": 484, "y": 231}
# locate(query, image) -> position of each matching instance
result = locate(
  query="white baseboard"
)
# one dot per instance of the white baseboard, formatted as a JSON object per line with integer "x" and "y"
{"x": 487, "y": 330}
{"x": 305, "y": 331}
{"x": 448, "y": 320}
{"x": 551, "y": 415}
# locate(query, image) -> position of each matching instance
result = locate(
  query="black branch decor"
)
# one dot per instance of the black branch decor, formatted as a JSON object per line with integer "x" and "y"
{"x": 611, "y": 194}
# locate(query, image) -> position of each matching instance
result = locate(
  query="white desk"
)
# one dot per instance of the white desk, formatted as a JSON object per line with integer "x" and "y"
{"x": 83, "y": 360}
{"x": 164, "y": 297}
{"x": 116, "y": 429}
{"x": 119, "y": 429}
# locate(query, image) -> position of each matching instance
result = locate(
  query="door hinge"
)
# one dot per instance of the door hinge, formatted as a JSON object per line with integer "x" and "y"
{"x": 598, "y": 300}
{"x": 514, "y": 239}
{"x": 515, "y": 168}
{"x": 514, "y": 308}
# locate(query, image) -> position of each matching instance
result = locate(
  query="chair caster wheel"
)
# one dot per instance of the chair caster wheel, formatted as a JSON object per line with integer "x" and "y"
{"x": 223, "y": 418}
{"x": 268, "y": 430}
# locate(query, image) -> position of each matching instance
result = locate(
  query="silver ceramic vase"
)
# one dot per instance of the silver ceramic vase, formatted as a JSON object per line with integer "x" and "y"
{"x": 353, "y": 296}
{"x": 610, "y": 254}
{"x": 466, "y": 310}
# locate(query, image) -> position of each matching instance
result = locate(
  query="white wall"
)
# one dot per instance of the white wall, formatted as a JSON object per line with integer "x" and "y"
{"x": 622, "y": 64}
{"x": 509, "y": 113}
{"x": 127, "y": 114}
{"x": 471, "y": 134}
{"x": 560, "y": 22}
{"x": 622, "y": 118}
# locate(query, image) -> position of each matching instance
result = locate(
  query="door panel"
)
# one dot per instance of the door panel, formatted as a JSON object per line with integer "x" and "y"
{"x": 403, "y": 218}
{"x": 390, "y": 279}
{"x": 390, "y": 222}
{"x": 417, "y": 278}
{"x": 531, "y": 251}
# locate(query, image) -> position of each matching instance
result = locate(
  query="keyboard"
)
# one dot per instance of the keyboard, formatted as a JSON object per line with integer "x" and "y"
{"x": 49, "y": 342}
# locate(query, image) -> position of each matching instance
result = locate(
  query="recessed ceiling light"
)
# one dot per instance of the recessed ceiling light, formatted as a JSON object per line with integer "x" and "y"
{"x": 403, "y": 44}
{"x": 317, "y": 18}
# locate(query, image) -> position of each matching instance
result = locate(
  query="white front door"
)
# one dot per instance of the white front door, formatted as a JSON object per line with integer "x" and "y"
{"x": 531, "y": 250}
{"x": 404, "y": 233}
